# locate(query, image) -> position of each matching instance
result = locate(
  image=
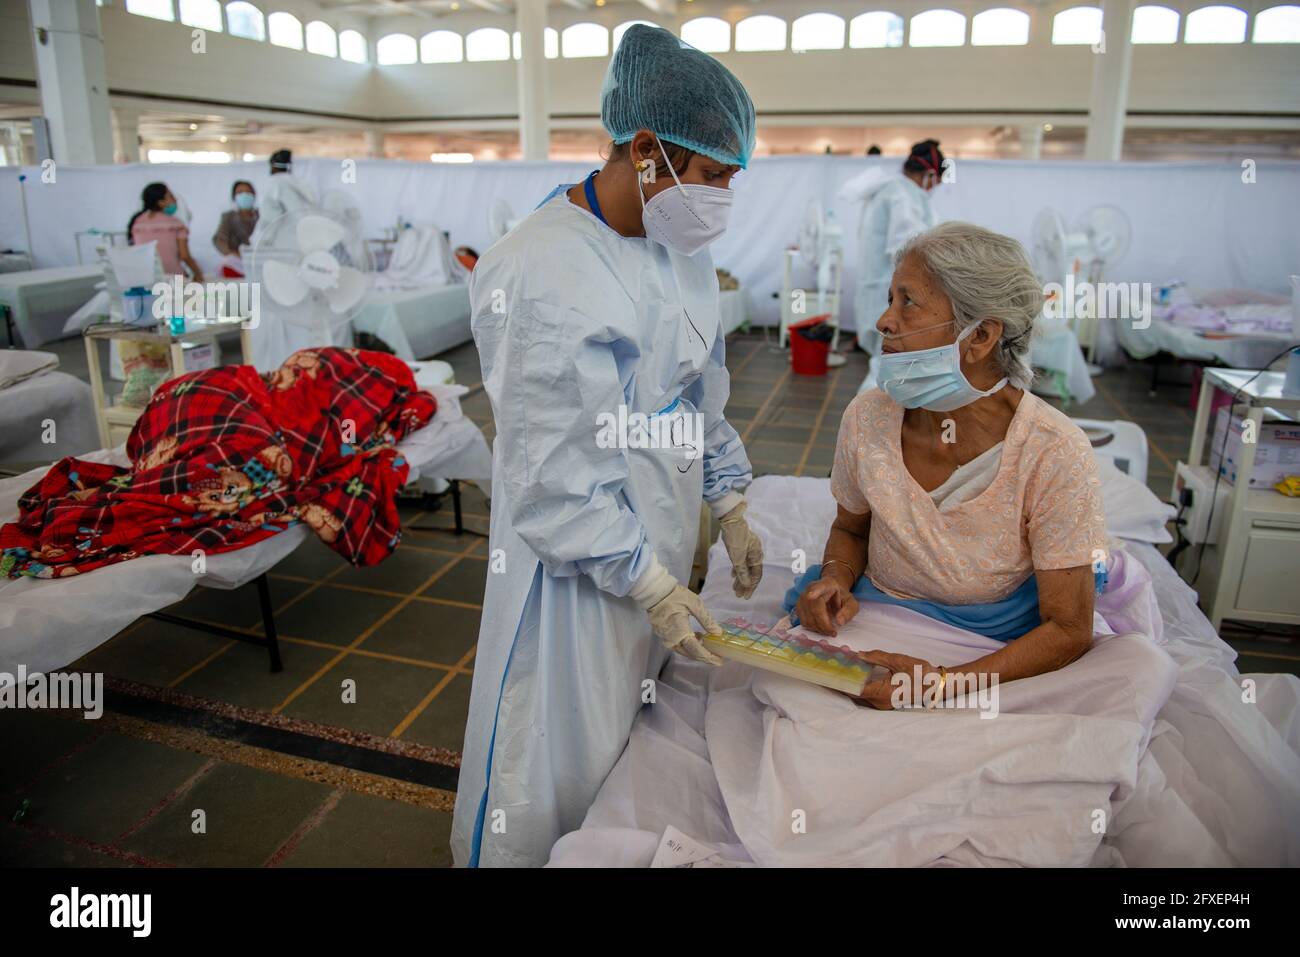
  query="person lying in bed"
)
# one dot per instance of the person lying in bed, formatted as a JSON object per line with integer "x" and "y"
{"x": 960, "y": 494}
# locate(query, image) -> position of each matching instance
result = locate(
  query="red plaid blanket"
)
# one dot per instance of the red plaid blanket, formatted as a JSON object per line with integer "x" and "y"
{"x": 224, "y": 458}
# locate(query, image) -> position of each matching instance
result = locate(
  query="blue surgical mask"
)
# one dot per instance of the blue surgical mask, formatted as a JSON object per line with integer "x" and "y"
{"x": 170, "y": 209}
{"x": 245, "y": 200}
{"x": 930, "y": 378}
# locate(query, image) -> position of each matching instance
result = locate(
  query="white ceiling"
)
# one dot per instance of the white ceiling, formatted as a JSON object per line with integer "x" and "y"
{"x": 431, "y": 8}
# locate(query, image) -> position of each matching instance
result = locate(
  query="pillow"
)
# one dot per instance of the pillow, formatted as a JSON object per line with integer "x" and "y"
{"x": 1132, "y": 510}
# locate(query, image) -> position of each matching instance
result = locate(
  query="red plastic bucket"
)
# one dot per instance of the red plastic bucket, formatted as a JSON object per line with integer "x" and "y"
{"x": 807, "y": 356}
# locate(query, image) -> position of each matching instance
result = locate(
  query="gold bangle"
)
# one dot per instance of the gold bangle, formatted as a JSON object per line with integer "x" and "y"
{"x": 837, "y": 561}
{"x": 943, "y": 681}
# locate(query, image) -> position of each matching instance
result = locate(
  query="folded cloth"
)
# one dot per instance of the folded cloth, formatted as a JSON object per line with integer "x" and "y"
{"x": 224, "y": 458}
{"x": 1004, "y": 620}
{"x": 16, "y": 365}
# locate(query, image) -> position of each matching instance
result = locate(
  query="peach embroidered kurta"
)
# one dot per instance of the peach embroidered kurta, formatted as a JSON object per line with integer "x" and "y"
{"x": 1041, "y": 511}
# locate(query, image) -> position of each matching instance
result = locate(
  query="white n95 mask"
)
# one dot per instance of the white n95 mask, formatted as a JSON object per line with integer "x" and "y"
{"x": 685, "y": 218}
{"x": 930, "y": 378}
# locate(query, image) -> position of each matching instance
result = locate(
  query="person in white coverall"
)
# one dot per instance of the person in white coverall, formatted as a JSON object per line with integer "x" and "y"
{"x": 601, "y": 308}
{"x": 285, "y": 193}
{"x": 896, "y": 207}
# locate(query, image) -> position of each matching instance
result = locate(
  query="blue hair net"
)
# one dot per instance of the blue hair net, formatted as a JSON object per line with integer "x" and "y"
{"x": 658, "y": 83}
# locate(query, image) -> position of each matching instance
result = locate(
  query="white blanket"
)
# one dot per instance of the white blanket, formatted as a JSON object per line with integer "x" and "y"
{"x": 810, "y": 778}
{"x": 422, "y": 258}
{"x": 1142, "y": 753}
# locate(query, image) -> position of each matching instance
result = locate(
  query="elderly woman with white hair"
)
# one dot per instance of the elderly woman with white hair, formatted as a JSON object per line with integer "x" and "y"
{"x": 961, "y": 494}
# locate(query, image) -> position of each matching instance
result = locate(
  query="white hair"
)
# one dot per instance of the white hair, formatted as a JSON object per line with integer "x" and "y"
{"x": 985, "y": 275}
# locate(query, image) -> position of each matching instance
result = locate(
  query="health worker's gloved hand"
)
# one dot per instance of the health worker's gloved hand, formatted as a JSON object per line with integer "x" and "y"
{"x": 671, "y": 606}
{"x": 745, "y": 549}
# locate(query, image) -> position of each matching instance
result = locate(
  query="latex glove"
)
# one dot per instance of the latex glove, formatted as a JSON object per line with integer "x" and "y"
{"x": 671, "y": 606}
{"x": 745, "y": 549}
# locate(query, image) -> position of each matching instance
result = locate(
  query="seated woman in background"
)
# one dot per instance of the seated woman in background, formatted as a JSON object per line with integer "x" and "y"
{"x": 961, "y": 494}
{"x": 156, "y": 223}
{"x": 236, "y": 228}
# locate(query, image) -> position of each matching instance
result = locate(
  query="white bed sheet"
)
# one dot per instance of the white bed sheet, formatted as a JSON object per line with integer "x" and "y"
{"x": 418, "y": 323}
{"x": 46, "y": 624}
{"x": 1184, "y": 771}
{"x": 1058, "y": 351}
{"x": 1238, "y": 352}
{"x": 41, "y": 300}
{"x": 734, "y": 309}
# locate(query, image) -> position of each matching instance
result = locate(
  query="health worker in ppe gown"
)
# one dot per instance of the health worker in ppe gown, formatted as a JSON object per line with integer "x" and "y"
{"x": 895, "y": 207}
{"x": 604, "y": 297}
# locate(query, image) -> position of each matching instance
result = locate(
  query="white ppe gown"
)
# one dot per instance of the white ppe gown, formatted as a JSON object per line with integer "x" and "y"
{"x": 894, "y": 210}
{"x": 571, "y": 321}
{"x": 285, "y": 193}
{"x": 274, "y": 338}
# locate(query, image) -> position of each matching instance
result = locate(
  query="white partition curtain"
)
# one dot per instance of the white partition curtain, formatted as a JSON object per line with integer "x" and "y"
{"x": 1194, "y": 221}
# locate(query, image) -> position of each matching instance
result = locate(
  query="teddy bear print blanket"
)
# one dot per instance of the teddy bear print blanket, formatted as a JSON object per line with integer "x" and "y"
{"x": 223, "y": 458}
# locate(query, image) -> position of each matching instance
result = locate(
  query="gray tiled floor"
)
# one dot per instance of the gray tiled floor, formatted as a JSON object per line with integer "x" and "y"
{"x": 404, "y": 632}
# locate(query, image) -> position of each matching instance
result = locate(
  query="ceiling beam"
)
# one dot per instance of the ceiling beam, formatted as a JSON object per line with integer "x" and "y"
{"x": 397, "y": 6}
{"x": 666, "y": 8}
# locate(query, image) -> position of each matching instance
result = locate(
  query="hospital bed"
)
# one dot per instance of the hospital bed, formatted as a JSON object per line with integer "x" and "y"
{"x": 1243, "y": 347}
{"x": 46, "y": 414}
{"x": 46, "y": 624}
{"x": 37, "y": 302}
{"x": 721, "y": 753}
{"x": 419, "y": 303}
{"x": 418, "y": 323}
{"x": 731, "y": 303}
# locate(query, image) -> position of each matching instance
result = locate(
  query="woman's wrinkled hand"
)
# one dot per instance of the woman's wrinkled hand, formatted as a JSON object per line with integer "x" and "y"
{"x": 825, "y": 606}
{"x": 881, "y": 693}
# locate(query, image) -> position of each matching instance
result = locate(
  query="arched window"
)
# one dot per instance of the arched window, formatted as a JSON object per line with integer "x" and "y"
{"x": 584, "y": 39}
{"x": 937, "y": 28}
{"x": 550, "y": 44}
{"x": 875, "y": 30}
{"x": 1216, "y": 24}
{"x": 352, "y": 47}
{"x": 245, "y": 20}
{"x": 285, "y": 30}
{"x": 204, "y": 14}
{"x": 760, "y": 33}
{"x": 622, "y": 28}
{"x": 1078, "y": 25}
{"x": 817, "y": 31}
{"x": 157, "y": 9}
{"x": 442, "y": 46}
{"x": 487, "y": 43}
{"x": 321, "y": 39}
{"x": 1155, "y": 25}
{"x": 999, "y": 27}
{"x": 709, "y": 34}
{"x": 395, "y": 49}
{"x": 1277, "y": 25}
